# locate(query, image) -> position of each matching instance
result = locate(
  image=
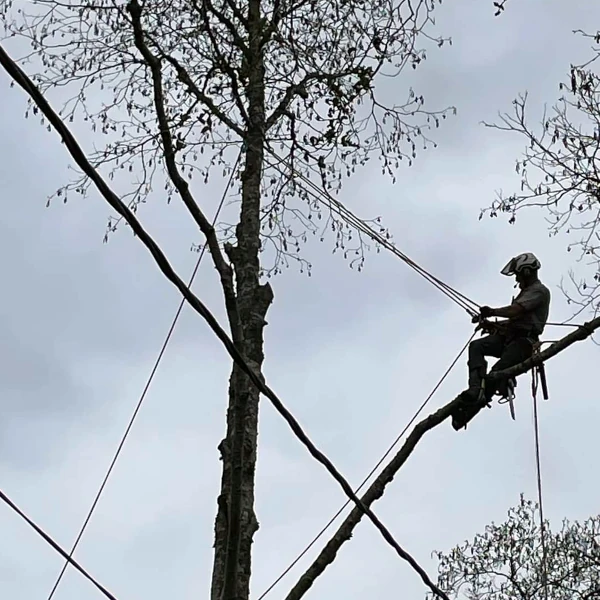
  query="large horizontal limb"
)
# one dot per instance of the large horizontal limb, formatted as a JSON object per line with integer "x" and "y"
{"x": 581, "y": 333}
{"x": 377, "y": 488}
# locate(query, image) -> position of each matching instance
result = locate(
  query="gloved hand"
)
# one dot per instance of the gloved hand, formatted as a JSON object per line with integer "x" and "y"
{"x": 485, "y": 312}
{"x": 488, "y": 326}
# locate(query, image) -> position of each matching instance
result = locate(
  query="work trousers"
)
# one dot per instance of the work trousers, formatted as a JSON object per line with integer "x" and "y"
{"x": 510, "y": 350}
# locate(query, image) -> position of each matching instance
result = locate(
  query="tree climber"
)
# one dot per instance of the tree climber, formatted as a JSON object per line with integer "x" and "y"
{"x": 511, "y": 340}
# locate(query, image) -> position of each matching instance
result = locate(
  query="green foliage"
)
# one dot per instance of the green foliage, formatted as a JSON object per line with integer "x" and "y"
{"x": 506, "y": 561}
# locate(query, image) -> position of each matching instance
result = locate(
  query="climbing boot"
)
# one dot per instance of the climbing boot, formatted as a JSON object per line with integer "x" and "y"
{"x": 463, "y": 415}
{"x": 472, "y": 399}
{"x": 476, "y": 390}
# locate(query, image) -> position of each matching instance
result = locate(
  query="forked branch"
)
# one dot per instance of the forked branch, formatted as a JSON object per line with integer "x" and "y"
{"x": 224, "y": 269}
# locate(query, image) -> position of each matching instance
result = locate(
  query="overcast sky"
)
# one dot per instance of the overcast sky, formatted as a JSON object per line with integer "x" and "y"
{"x": 352, "y": 355}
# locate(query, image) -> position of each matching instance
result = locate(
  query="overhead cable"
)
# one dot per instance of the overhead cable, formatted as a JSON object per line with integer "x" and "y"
{"x": 54, "y": 545}
{"x": 372, "y": 472}
{"x": 164, "y": 265}
{"x": 144, "y": 391}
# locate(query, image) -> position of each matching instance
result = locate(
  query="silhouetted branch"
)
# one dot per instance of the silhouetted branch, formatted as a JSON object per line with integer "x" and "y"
{"x": 16, "y": 73}
{"x": 377, "y": 488}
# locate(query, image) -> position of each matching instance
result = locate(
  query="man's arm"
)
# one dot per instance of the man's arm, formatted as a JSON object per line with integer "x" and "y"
{"x": 527, "y": 301}
{"x": 508, "y": 312}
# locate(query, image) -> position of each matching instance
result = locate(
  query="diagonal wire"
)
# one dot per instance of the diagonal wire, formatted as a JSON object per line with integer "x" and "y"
{"x": 56, "y": 547}
{"x": 144, "y": 392}
{"x": 371, "y": 473}
{"x": 76, "y": 152}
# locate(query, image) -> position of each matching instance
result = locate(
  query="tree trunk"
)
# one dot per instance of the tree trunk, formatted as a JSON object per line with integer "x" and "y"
{"x": 236, "y": 521}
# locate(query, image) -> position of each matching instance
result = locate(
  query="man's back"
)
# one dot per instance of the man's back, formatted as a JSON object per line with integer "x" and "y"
{"x": 535, "y": 299}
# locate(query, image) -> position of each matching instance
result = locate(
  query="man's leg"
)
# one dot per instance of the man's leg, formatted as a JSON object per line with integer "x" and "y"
{"x": 516, "y": 352}
{"x": 490, "y": 345}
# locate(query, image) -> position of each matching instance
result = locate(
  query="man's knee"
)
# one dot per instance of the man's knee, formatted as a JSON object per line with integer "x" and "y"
{"x": 477, "y": 346}
{"x": 477, "y": 353}
{"x": 518, "y": 352}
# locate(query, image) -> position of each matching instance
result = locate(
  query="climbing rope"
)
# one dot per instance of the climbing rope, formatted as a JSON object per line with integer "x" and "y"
{"x": 338, "y": 208}
{"x": 372, "y": 471}
{"x": 534, "y": 386}
{"x": 144, "y": 392}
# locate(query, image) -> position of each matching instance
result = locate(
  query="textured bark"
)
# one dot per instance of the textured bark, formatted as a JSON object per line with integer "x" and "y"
{"x": 236, "y": 521}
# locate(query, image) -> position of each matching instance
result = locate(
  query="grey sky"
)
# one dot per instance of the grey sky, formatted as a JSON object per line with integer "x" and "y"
{"x": 352, "y": 355}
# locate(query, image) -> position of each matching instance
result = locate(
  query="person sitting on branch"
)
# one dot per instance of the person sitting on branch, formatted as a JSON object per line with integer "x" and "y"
{"x": 512, "y": 340}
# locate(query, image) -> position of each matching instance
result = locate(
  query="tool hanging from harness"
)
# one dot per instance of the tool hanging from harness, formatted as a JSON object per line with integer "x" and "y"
{"x": 538, "y": 372}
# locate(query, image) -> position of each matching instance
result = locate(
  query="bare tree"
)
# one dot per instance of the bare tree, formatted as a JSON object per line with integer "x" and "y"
{"x": 560, "y": 171}
{"x": 173, "y": 87}
{"x": 506, "y": 561}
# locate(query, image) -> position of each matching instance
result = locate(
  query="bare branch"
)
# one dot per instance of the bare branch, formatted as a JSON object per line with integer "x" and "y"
{"x": 184, "y": 77}
{"x": 162, "y": 262}
{"x": 222, "y": 17}
{"x": 299, "y": 89}
{"x": 223, "y": 63}
{"x": 560, "y": 170}
{"x": 225, "y": 271}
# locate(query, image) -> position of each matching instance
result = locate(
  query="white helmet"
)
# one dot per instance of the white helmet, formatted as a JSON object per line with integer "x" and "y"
{"x": 520, "y": 262}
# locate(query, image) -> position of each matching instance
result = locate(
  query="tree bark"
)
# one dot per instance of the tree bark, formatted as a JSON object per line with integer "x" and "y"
{"x": 236, "y": 522}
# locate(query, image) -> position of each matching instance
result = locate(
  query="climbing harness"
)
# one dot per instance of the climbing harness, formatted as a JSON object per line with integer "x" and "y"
{"x": 538, "y": 372}
{"x": 538, "y": 377}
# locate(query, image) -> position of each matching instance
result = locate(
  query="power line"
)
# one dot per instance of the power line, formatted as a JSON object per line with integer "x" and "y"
{"x": 370, "y": 474}
{"x": 19, "y": 76}
{"x": 145, "y": 390}
{"x": 56, "y": 547}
